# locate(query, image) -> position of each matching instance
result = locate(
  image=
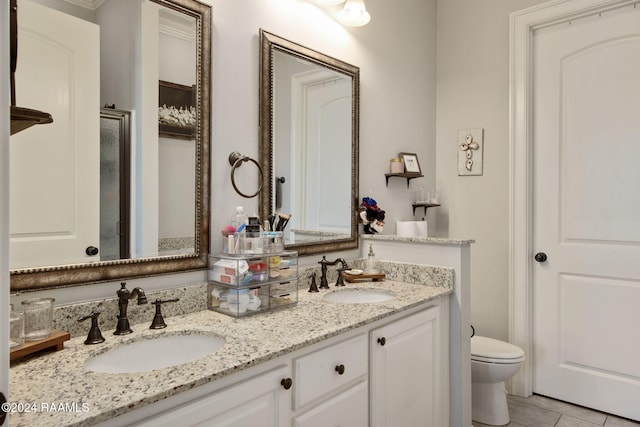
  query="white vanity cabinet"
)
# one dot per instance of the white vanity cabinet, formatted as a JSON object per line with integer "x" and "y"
{"x": 406, "y": 372}
{"x": 392, "y": 372}
{"x": 259, "y": 401}
{"x": 397, "y": 374}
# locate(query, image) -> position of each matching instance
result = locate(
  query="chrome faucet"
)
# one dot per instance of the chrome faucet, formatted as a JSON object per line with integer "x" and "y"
{"x": 124, "y": 295}
{"x": 323, "y": 266}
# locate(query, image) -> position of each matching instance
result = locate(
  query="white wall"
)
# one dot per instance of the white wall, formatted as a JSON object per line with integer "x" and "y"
{"x": 395, "y": 53}
{"x": 176, "y": 200}
{"x": 396, "y": 56}
{"x": 472, "y": 91}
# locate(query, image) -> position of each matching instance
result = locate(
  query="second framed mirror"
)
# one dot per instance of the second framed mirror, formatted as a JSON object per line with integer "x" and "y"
{"x": 309, "y": 121}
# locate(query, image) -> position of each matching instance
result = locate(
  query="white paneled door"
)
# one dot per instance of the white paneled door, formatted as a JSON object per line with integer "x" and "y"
{"x": 327, "y": 200}
{"x": 587, "y": 211}
{"x": 55, "y": 186}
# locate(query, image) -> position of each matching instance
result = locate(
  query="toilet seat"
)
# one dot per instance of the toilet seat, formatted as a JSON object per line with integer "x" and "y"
{"x": 489, "y": 350}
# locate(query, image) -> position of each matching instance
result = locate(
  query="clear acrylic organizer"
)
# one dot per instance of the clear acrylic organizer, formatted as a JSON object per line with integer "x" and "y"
{"x": 241, "y": 285}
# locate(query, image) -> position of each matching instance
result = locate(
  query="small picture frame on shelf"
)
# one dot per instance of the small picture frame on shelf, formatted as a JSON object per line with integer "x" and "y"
{"x": 411, "y": 163}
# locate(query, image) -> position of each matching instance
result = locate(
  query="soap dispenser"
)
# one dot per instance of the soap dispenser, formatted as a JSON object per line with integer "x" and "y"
{"x": 370, "y": 263}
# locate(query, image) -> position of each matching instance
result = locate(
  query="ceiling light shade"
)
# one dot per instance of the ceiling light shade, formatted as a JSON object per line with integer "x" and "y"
{"x": 328, "y": 2}
{"x": 354, "y": 14}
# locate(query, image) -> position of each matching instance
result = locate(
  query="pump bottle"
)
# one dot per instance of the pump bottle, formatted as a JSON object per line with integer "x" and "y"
{"x": 370, "y": 263}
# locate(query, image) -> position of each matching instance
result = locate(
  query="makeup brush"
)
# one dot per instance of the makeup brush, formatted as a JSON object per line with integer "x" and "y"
{"x": 283, "y": 219}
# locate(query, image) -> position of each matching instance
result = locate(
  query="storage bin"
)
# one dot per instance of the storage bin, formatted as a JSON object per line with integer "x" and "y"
{"x": 238, "y": 270}
{"x": 240, "y": 285}
{"x": 244, "y": 301}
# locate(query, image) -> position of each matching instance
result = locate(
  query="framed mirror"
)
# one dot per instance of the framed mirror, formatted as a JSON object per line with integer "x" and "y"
{"x": 309, "y": 121}
{"x": 117, "y": 187}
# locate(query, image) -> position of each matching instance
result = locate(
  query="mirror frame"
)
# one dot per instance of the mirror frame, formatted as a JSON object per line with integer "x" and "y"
{"x": 38, "y": 278}
{"x": 270, "y": 43}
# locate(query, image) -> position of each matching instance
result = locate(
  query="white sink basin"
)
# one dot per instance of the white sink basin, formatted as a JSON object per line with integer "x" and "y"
{"x": 358, "y": 296}
{"x": 151, "y": 354}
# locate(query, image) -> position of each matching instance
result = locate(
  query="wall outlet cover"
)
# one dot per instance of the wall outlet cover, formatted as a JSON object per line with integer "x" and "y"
{"x": 470, "y": 151}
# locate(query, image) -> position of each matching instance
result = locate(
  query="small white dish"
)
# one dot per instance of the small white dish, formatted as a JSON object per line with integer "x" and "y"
{"x": 354, "y": 272}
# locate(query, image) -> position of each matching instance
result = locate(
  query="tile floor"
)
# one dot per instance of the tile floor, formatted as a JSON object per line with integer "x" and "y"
{"x": 540, "y": 411}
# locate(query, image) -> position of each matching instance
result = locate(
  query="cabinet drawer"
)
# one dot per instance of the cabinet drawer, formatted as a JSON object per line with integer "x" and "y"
{"x": 328, "y": 369}
{"x": 349, "y": 408}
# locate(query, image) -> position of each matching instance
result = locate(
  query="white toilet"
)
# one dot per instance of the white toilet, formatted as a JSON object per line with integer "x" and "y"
{"x": 492, "y": 363}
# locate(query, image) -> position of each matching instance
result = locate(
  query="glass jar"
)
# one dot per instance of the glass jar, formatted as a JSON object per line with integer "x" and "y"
{"x": 16, "y": 329}
{"x": 421, "y": 196}
{"x": 38, "y": 318}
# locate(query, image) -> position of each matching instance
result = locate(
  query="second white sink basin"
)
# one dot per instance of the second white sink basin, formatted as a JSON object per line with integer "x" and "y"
{"x": 155, "y": 353}
{"x": 358, "y": 296}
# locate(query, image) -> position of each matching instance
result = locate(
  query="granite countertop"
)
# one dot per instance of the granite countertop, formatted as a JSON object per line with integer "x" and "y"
{"x": 60, "y": 378}
{"x": 424, "y": 240}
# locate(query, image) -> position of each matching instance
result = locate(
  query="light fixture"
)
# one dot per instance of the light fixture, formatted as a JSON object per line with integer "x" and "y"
{"x": 328, "y": 2}
{"x": 354, "y": 14}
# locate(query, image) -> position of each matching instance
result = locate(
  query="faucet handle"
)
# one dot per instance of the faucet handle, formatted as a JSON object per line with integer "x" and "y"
{"x": 94, "y": 336}
{"x": 340, "y": 279}
{"x": 314, "y": 286}
{"x": 158, "y": 320}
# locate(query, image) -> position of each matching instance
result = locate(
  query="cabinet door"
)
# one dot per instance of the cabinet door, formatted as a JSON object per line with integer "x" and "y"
{"x": 260, "y": 401}
{"x": 347, "y": 409}
{"x": 404, "y": 371}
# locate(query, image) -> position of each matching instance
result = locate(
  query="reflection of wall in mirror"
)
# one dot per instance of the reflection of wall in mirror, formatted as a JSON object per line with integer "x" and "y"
{"x": 162, "y": 190}
{"x": 139, "y": 43}
{"x": 312, "y": 106}
{"x": 284, "y": 67}
{"x": 125, "y": 28}
{"x": 177, "y": 56}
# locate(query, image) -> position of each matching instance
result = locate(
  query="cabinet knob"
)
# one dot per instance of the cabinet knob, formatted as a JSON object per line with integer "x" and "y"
{"x": 286, "y": 383}
{"x": 340, "y": 369}
{"x": 382, "y": 341}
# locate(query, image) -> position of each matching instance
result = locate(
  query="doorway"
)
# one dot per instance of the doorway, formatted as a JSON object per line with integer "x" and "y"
{"x": 575, "y": 76}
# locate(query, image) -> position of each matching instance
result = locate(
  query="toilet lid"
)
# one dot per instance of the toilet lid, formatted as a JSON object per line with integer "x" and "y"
{"x": 484, "y": 348}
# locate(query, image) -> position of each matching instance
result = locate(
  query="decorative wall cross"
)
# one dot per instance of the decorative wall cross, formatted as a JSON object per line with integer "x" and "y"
{"x": 470, "y": 144}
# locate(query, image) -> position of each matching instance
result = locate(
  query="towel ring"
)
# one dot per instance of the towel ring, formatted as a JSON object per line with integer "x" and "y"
{"x": 236, "y": 159}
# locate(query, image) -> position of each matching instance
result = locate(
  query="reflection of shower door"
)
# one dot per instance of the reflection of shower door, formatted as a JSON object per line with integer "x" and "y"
{"x": 114, "y": 184}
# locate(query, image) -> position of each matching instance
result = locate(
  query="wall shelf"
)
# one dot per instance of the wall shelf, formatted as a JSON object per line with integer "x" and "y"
{"x": 24, "y": 118}
{"x": 423, "y": 205}
{"x": 408, "y": 176}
